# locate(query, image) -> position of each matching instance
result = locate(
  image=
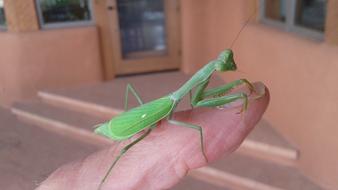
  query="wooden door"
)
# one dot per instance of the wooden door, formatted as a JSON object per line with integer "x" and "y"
{"x": 145, "y": 35}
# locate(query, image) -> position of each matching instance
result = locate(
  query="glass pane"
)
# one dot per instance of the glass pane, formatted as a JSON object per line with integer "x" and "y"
{"x": 56, "y": 11}
{"x": 2, "y": 14}
{"x": 275, "y": 9}
{"x": 311, "y": 14}
{"x": 142, "y": 27}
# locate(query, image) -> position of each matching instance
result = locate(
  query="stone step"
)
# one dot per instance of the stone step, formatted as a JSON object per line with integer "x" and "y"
{"x": 247, "y": 173}
{"x": 264, "y": 142}
{"x": 28, "y": 154}
{"x": 189, "y": 183}
{"x": 106, "y": 100}
{"x": 244, "y": 172}
{"x": 66, "y": 122}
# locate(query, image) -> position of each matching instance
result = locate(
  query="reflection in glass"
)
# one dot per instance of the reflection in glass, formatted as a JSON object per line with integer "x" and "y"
{"x": 56, "y": 11}
{"x": 275, "y": 10}
{"x": 2, "y": 14}
{"x": 142, "y": 27}
{"x": 311, "y": 14}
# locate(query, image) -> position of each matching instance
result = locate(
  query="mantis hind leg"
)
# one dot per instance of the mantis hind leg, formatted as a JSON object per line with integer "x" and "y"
{"x": 192, "y": 126}
{"x": 127, "y": 147}
{"x": 133, "y": 91}
{"x": 122, "y": 152}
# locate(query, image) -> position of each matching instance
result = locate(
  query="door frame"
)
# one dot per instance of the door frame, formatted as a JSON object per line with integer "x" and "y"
{"x": 149, "y": 64}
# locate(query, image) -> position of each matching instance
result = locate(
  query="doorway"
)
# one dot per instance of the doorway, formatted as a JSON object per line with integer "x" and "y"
{"x": 145, "y": 35}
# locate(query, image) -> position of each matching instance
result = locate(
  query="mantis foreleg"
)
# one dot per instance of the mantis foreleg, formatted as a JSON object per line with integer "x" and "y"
{"x": 201, "y": 94}
{"x": 219, "y": 101}
{"x": 222, "y": 90}
{"x": 190, "y": 98}
{"x": 218, "y": 94}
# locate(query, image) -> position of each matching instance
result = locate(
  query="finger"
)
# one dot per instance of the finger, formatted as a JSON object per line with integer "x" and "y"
{"x": 167, "y": 154}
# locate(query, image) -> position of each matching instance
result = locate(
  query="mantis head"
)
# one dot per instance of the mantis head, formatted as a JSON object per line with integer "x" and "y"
{"x": 225, "y": 61}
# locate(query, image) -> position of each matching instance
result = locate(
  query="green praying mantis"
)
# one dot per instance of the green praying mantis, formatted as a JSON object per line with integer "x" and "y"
{"x": 145, "y": 117}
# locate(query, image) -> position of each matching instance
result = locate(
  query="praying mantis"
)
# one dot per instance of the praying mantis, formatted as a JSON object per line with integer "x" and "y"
{"x": 145, "y": 117}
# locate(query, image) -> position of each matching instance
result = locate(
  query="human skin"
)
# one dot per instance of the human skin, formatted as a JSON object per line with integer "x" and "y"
{"x": 164, "y": 157}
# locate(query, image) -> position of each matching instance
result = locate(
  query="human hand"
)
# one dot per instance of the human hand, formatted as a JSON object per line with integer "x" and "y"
{"x": 164, "y": 157}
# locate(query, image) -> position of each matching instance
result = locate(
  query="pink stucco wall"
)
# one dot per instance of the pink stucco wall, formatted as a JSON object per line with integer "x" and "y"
{"x": 47, "y": 59}
{"x": 300, "y": 73}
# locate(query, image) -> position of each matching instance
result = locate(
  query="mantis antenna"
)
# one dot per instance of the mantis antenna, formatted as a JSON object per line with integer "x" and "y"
{"x": 242, "y": 28}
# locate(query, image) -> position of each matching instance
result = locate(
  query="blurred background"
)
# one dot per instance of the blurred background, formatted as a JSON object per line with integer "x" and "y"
{"x": 64, "y": 65}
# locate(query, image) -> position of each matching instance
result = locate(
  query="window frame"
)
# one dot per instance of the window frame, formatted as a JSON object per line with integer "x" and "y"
{"x": 3, "y": 27}
{"x": 68, "y": 24}
{"x": 290, "y": 24}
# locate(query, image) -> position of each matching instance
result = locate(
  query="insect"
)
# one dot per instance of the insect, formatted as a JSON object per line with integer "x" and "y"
{"x": 146, "y": 116}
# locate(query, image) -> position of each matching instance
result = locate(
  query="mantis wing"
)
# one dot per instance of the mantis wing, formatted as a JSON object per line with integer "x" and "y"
{"x": 137, "y": 119}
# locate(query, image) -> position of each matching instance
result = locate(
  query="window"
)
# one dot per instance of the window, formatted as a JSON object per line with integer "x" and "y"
{"x": 311, "y": 14}
{"x": 2, "y": 15}
{"x": 306, "y": 17}
{"x": 142, "y": 27}
{"x": 60, "y": 13}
